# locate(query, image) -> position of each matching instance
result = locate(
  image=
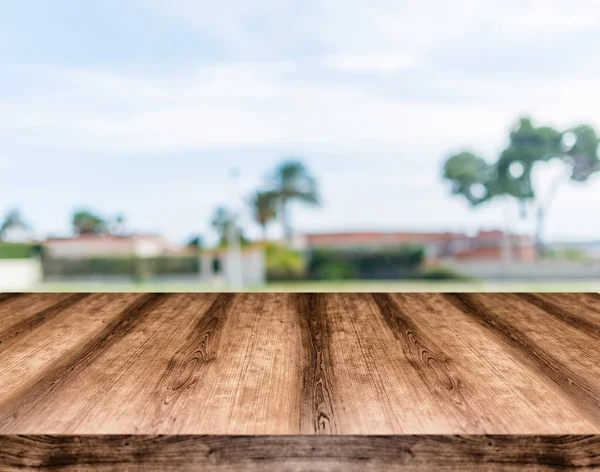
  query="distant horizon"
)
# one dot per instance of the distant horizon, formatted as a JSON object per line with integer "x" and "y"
{"x": 332, "y": 232}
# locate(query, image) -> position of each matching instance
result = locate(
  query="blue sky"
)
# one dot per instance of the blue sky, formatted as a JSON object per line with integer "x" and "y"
{"x": 143, "y": 107}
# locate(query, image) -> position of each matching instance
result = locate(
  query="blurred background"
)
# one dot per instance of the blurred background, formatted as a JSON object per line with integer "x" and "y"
{"x": 299, "y": 145}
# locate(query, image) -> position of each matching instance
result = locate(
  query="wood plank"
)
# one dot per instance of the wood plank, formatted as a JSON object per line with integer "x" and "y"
{"x": 479, "y": 379}
{"x": 377, "y": 388}
{"x": 562, "y": 354}
{"x": 308, "y": 364}
{"x": 247, "y": 378}
{"x": 29, "y": 352}
{"x": 316, "y": 409}
{"x": 19, "y": 313}
{"x": 20, "y": 405}
{"x": 582, "y": 313}
{"x": 300, "y": 453}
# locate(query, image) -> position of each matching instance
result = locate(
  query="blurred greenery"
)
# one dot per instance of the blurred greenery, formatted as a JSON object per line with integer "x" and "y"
{"x": 13, "y": 220}
{"x": 139, "y": 269}
{"x": 196, "y": 243}
{"x": 263, "y": 205}
{"x": 292, "y": 182}
{"x": 399, "y": 263}
{"x": 19, "y": 250}
{"x": 440, "y": 273}
{"x": 283, "y": 263}
{"x": 85, "y": 221}
{"x": 510, "y": 175}
{"x": 567, "y": 255}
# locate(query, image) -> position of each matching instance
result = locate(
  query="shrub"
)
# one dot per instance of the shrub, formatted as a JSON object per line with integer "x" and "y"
{"x": 439, "y": 273}
{"x": 138, "y": 268}
{"x": 283, "y": 263}
{"x": 397, "y": 263}
{"x": 19, "y": 250}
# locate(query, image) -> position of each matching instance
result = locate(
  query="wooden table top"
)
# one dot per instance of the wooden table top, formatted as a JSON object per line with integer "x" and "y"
{"x": 300, "y": 364}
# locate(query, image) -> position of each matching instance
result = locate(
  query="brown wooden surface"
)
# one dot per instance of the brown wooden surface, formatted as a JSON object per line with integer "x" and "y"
{"x": 302, "y": 364}
{"x": 302, "y": 453}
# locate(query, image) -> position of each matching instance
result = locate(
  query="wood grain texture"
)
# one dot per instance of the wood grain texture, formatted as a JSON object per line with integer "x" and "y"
{"x": 231, "y": 366}
{"x": 316, "y": 399}
{"x": 561, "y": 357}
{"x": 300, "y": 453}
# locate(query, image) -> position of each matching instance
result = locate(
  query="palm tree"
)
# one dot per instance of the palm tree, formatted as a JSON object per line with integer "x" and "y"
{"x": 293, "y": 182}
{"x": 13, "y": 222}
{"x": 264, "y": 209}
{"x": 221, "y": 221}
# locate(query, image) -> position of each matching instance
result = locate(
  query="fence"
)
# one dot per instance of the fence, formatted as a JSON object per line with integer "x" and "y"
{"x": 54, "y": 268}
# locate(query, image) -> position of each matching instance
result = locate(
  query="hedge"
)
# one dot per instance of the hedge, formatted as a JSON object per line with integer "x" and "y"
{"x": 398, "y": 263}
{"x": 127, "y": 266}
{"x": 19, "y": 250}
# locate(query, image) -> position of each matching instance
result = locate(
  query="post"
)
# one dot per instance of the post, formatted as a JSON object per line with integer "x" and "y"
{"x": 539, "y": 239}
{"x": 233, "y": 273}
{"x": 234, "y": 269}
{"x": 206, "y": 268}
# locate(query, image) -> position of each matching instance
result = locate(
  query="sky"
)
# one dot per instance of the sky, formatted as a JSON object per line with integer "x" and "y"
{"x": 144, "y": 107}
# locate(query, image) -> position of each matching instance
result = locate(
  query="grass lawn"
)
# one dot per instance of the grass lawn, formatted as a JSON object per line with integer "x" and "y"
{"x": 332, "y": 286}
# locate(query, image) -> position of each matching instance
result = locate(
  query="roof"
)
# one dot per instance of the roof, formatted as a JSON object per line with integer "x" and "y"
{"x": 103, "y": 237}
{"x": 375, "y": 237}
{"x": 359, "y": 238}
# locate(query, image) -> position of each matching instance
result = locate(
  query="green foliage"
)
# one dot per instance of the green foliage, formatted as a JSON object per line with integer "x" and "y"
{"x": 572, "y": 254}
{"x": 335, "y": 270}
{"x": 293, "y": 182}
{"x": 283, "y": 263}
{"x": 12, "y": 220}
{"x": 466, "y": 171}
{"x": 439, "y": 273}
{"x": 86, "y": 222}
{"x": 389, "y": 264}
{"x": 136, "y": 268}
{"x": 222, "y": 221}
{"x": 244, "y": 241}
{"x": 19, "y": 250}
{"x": 583, "y": 154}
{"x": 510, "y": 175}
{"x": 196, "y": 243}
{"x": 263, "y": 205}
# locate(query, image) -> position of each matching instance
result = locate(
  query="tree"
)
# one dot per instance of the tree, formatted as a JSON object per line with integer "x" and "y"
{"x": 221, "y": 222}
{"x": 196, "y": 242}
{"x": 292, "y": 182}
{"x": 264, "y": 209}
{"x": 13, "y": 221}
{"x": 511, "y": 174}
{"x": 86, "y": 222}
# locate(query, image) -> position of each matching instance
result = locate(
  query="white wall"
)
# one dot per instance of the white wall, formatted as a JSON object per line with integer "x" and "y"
{"x": 254, "y": 268}
{"x": 19, "y": 274}
{"x": 543, "y": 270}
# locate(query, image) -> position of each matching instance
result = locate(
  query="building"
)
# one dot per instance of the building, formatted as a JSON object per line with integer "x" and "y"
{"x": 443, "y": 246}
{"x": 217, "y": 266}
{"x": 214, "y": 267}
{"x": 109, "y": 245}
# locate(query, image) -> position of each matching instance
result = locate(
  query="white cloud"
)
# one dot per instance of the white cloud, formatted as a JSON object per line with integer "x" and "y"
{"x": 371, "y": 63}
{"x": 234, "y": 105}
{"x": 348, "y": 78}
{"x": 535, "y": 17}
